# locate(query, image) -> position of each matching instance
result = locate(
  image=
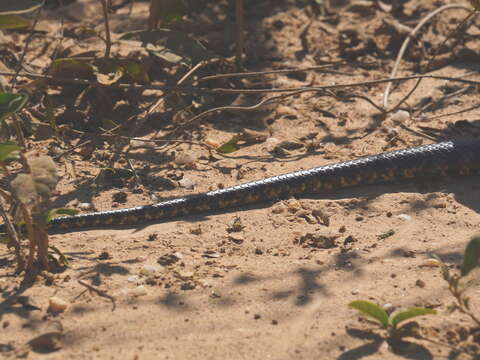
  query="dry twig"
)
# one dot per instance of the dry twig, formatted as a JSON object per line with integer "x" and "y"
{"x": 404, "y": 47}
{"x": 108, "y": 41}
{"x": 14, "y": 240}
{"x": 99, "y": 292}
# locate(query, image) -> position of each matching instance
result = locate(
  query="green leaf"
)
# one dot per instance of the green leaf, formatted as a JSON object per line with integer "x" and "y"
{"x": 110, "y": 71}
{"x": 60, "y": 259}
{"x": 372, "y": 310}
{"x": 172, "y": 46}
{"x": 10, "y": 103}
{"x": 402, "y": 315}
{"x": 72, "y": 68}
{"x": 19, "y": 6}
{"x": 13, "y": 22}
{"x": 134, "y": 70}
{"x": 386, "y": 234}
{"x": 230, "y": 146}
{"x": 50, "y": 114}
{"x": 62, "y": 211}
{"x": 472, "y": 256}
{"x": 9, "y": 151}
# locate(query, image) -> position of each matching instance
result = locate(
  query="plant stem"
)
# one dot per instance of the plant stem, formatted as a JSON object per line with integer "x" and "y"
{"x": 13, "y": 238}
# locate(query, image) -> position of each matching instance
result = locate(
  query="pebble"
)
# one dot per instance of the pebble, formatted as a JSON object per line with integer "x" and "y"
{"x": 85, "y": 206}
{"x": 404, "y": 217}
{"x": 271, "y": 143}
{"x": 57, "y": 305}
{"x": 187, "y": 183}
{"x": 150, "y": 270}
{"x": 387, "y": 307}
{"x": 185, "y": 274}
{"x": 133, "y": 279}
{"x": 293, "y": 205}
{"x": 212, "y": 142}
{"x": 182, "y": 159}
{"x": 279, "y": 208}
{"x": 211, "y": 254}
{"x": 258, "y": 251}
{"x": 431, "y": 263}
{"x": 321, "y": 216}
{"x": 420, "y": 283}
{"x": 400, "y": 116}
{"x": 236, "y": 238}
{"x": 138, "y": 291}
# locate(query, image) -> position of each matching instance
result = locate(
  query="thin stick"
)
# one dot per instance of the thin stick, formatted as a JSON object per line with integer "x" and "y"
{"x": 30, "y": 234}
{"x": 14, "y": 240}
{"x": 99, "y": 292}
{"x": 272, "y": 72}
{"x": 190, "y": 89}
{"x": 62, "y": 30}
{"x": 452, "y": 113}
{"x": 25, "y": 49}
{"x": 239, "y": 32}
{"x": 162, "y": 99}
{"x": 233, "y": 108}
{"x": 19, "y": 131}
{"x": 428, "y": 65}
{"x": 108, "y": 40}
{"x": 410, "y": 36}
{"x": 442, "y": 99}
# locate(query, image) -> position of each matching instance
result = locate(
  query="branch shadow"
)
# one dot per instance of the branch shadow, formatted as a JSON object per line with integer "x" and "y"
{"x": 403, "y": 348}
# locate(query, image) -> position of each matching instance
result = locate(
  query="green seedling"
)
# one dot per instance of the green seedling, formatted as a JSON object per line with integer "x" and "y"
{"x": 471, "y": 260}
{"x": 230, "y": 146}
{"x": 62, "y": 211}
{"x": 8, "y": 151}
{"x": 11, "y": 103}
{"x": 388, "y": 322}
{"x": 56, "y": 256}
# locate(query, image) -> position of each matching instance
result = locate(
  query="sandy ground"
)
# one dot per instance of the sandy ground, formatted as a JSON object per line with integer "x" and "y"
{"x": 271, "y": 281}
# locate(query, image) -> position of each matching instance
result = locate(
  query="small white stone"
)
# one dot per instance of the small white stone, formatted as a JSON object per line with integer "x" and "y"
{"x": 182, "y": 159}
{"x": 400, "y": 116}
{"x": 187, "y": 183}
{"x": 387, "y": 307}
{"x": 185, "y": 274}
{"x": 139, "y": 291}
{"x": 271, "y": 143}
{"x": 404, "y": 217}
{"x": 85, "y": 206}
{"x": 57, "y": 305}
{"x": 133, "y": 279}
{"x": 150, "y": 270}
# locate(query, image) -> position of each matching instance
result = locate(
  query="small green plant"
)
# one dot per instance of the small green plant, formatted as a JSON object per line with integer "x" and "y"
{"x": 389, "y": 322}
{"x": 31, "y": 191}
{"x": 471, "y": 260}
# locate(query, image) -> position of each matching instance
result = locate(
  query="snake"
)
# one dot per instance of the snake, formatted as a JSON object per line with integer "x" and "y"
{"x": 446, "y": 158}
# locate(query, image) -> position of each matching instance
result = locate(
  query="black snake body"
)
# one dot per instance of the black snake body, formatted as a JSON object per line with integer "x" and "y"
{"x": 429, "y": 161}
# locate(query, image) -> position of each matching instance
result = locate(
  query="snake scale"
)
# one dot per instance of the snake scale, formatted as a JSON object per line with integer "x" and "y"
{"x": 457, "y": 157}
